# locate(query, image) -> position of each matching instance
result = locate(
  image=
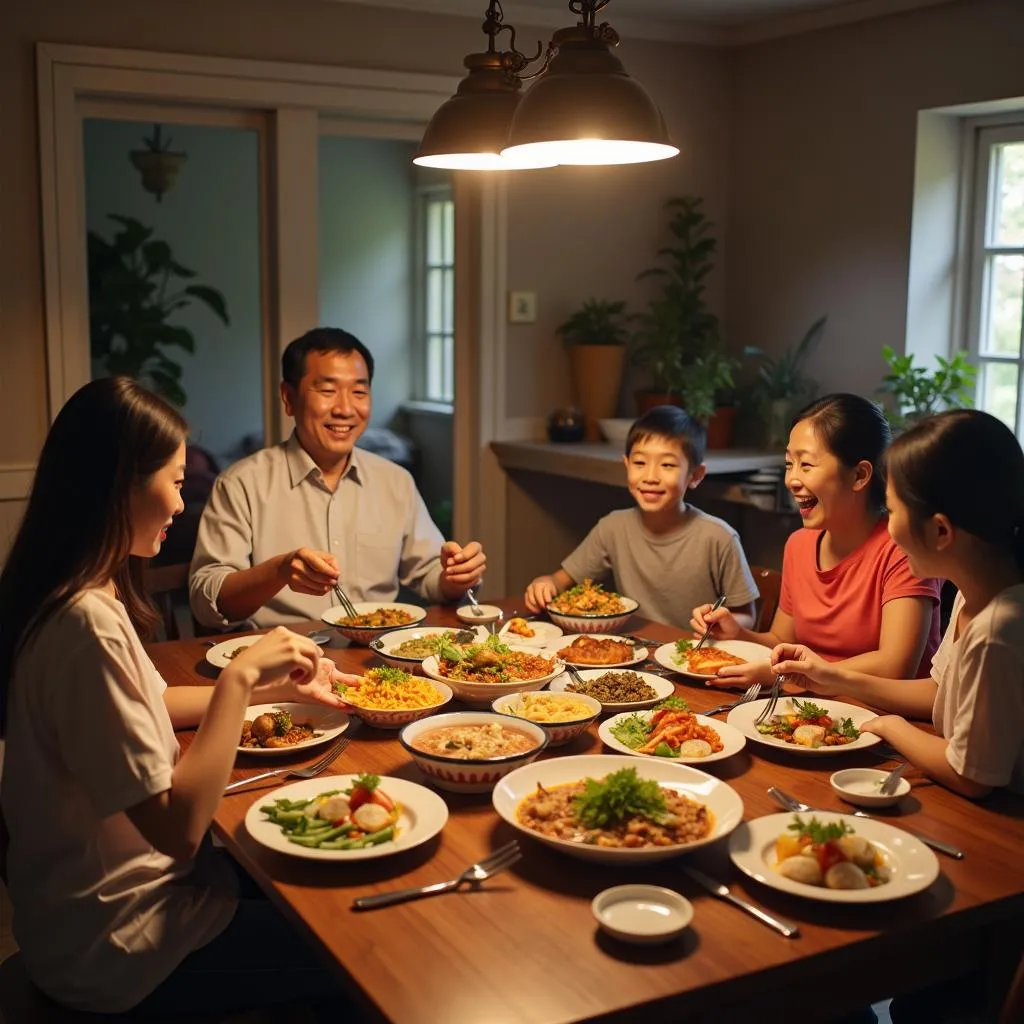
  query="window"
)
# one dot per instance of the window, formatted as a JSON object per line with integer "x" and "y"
{"x": 436, "y": 314}
{"x": 996, "y": 288}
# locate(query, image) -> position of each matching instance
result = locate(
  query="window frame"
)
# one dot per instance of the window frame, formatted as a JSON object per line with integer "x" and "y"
{"x": 425, "y": 195}
{"x": 983, "y": 134}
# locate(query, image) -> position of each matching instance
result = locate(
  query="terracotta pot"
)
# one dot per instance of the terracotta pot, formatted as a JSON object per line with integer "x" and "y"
{"x": 647, "y": 400}
{"x": 158, "y": 170}
{"x": 720, "y": 427}
{"x": 596, "y": 380}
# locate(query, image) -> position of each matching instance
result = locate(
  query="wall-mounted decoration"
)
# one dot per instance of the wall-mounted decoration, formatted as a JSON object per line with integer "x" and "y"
{"x": 157, "y": 163}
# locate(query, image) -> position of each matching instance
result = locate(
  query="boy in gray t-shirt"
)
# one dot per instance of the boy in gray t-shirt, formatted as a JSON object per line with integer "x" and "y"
{"x": 665, "y": 554}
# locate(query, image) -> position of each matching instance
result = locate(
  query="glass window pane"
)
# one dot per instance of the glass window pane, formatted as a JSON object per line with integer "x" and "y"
{"x": 435, "y": 252}
{"x": 448, "y": 368}
{"x": 1008, "y": 216}
{"x": 1004, "y": 304}
{"x": 435, "y": 301}
{"x": 435, "y": 368}
{"x": 449, "y": 301}
{"x": 999, "y": 391}
{"x": 449, "y": 232}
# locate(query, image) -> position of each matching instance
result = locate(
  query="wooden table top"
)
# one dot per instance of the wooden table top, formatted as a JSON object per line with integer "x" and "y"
{"x": 525, "y": 948}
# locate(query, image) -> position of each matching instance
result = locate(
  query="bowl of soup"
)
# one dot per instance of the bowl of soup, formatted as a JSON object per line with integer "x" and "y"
{"x": 469, "y": 751}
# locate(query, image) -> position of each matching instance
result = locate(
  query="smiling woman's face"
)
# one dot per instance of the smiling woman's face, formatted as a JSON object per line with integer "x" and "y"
{"x": 155, "y": 503}
{"x": 824, "y": 489}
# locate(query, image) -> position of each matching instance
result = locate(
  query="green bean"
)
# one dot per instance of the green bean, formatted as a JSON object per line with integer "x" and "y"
{"x": 318, "y": 838}
{"x": 370, "y": 840}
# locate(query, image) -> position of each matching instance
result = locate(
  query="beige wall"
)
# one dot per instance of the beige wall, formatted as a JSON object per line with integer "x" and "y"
{"x": 822, "y": 141}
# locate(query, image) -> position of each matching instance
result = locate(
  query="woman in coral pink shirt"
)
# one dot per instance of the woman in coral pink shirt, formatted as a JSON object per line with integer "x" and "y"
{"x": 847, "y": 591}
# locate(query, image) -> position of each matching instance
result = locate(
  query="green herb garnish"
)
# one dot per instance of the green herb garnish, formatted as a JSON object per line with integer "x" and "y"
{"x": 617, "y": 797}
{"x": 818, "y": 832}
{"x": 389, "y": 675}
{"x": 282, "y": 722}
{"x": 808, "y": 709}
{"x": 631, "y": 731}
{"x": 845, "y": 727}
{"x": 672, "y": 703}
{"x": 683, "y": 648}
{"x": 367, "y": 782}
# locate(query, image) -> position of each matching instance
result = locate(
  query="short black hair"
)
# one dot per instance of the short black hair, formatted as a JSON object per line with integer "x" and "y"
{"x": 320, "y": 339}
{"x": 854, "y": 430}
{"x": 673, "y": 424}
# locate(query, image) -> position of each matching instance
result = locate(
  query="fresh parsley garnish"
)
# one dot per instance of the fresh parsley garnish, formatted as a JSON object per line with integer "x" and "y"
{"x": 389, "y": 675}
{"x": 367, "y": 782}
{"x": 683, "y": 647}
{"x": 808, "y": 709}
{"x": 672, "y": 703}
{"x": 618, "y": 796}
{"x": 818, "y": 832}
{"x": 845, "y": 727}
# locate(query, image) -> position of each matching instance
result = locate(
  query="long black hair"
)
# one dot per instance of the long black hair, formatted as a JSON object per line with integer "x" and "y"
{"x": 854, "y": 430}
{"x": 111, "y": 435}
{"x": 966, "y": 465}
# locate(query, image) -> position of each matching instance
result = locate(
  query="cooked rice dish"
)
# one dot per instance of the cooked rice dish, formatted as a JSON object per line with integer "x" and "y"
{"x": 587, "y": 598}
{"x": 380, "y": 619}
{"x": 615, "y": 688}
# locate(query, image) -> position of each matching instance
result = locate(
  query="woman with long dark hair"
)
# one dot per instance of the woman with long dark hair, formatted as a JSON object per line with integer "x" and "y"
{"x": 113, "y": 883}
{"x": 847, "y": 589}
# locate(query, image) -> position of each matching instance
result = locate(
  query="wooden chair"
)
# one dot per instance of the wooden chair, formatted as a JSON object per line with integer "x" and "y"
{"x": 769, "y": 586}
{"x": 162, "y": 582}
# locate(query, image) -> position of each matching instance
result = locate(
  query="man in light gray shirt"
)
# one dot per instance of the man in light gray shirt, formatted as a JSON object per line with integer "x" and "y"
{"x": 285, "y": 524}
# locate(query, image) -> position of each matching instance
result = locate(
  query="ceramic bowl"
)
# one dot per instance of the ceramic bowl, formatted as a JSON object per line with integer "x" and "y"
{"x": 642, "y": 914}
{"x": 380, "y": 718}
{"x": 594, "y": 623}
{"x": 860, "y": 786}
{"x": 481, "y": 694}
{"x": 384, "y": 645}
{"x": 559, "y": 733}
{"x": 467, "y": 613}
{"x": 464, "y": 775}
{"x": 366, "y": 634}
{"x": 615, "y": 431}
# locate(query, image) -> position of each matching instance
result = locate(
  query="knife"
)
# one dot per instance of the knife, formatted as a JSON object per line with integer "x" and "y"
{"x": 722, "y": 892}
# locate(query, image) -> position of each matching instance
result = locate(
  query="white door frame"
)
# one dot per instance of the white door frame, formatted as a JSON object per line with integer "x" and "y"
{"x": 295, "y": 95}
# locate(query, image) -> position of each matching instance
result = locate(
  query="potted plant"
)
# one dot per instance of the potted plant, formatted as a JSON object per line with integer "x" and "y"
{"x": 782, "y": 387}
{"x": 916, "y": 393}
{"x": 132, "y": 299}
{"x": 157, "y": 163}
{"x": 595, "y": 336}
{"x": 677, "y": 338}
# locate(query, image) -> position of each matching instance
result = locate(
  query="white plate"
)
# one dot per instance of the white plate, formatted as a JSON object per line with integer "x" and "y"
{"x": 743, "y": 717}
{"x": 423, "y": 815}
{"x": 662, "y": 687}
{"x": 328, "y": 722}
{"x": 667, "y": 656}
{"x": 218, "y": 654}
{"x": 732, "y": 739}
{"x": 720, "y": 798}
{"x": 911, "y": 865}
{"x": 545, "y": 633}
{"x": 639, "y": 653}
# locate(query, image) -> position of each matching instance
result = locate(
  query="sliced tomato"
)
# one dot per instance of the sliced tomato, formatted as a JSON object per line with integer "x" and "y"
{"x": 828, "y": 854}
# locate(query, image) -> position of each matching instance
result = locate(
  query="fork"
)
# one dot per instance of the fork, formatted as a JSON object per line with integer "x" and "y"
{"x": 309, "y": 772}
{"x": 769, "y": 709}
{"x": 502, "y": 858}
{"x": 346, "y": 605}
{"x": 752, "y": 693}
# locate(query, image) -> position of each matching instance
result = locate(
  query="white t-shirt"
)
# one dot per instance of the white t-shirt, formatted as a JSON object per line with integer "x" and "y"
{"x": 979, "y": 706}
{"x": 101, "y": 917}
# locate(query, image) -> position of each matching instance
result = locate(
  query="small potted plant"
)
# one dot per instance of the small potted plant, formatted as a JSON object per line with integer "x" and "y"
{"x": 157, "y": 163}
{"x": 595, "y": 336}
{"x": 782, "y": 387}
{"x": 916, "y": 393}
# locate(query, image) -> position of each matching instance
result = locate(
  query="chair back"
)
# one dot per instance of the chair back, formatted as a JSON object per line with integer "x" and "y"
{"x": 769, "y": 586}
{"x": 162, "y": 582}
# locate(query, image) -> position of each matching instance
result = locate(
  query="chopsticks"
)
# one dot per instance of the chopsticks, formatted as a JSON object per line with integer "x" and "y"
{"x": 346, "y": 605}
{"x": 707, "y": 632}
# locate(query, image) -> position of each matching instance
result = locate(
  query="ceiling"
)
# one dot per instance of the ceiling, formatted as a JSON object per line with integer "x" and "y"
{"x": 709, "y": 21}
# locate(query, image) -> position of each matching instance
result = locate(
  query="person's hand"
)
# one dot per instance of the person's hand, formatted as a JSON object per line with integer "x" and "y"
{"x": 279, "y": 656}
{"x": 307, "y": 571}
{"x": 802, "y": 666}
{"x": 882, "y": 726}
{"x": 462, "y": 568}
{"x": 321, "y": 688}
{"x": 741, "y": 676}
{"x": 722, "y": 622}
{"x": 540, "y": 593}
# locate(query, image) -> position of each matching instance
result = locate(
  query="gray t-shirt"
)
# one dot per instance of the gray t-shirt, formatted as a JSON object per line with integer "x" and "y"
{"x": 668, "y": 574}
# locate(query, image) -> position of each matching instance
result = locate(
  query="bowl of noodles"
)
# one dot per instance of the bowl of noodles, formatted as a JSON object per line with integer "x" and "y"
{"x": 589, "y": 608}
{"x": 389, "y": 698}
{"x": 480, "y": 672}
{"x": 563, "y": 716}
{"x": 373, "y": 619}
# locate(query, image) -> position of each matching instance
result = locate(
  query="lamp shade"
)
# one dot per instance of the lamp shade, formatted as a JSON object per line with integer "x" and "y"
{"x": 469, "y": 131}
{"x": 585, "y": 109}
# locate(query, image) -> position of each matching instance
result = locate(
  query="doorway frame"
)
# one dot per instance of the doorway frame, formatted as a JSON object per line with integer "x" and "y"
{"x": 294, "y": 97}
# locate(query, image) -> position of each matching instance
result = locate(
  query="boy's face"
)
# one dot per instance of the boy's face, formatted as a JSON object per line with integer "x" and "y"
{"x": 659, "y": 474}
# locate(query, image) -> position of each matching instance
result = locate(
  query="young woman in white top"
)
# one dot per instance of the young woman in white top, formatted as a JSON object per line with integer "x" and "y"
{"x": 956, "y": 504}
{"x": 116, "y": 891}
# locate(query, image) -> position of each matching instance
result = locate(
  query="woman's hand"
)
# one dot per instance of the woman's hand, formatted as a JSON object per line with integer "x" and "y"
{"x": 320, "y": 689}
{"x": 802, "y": 666}
{"x": 742, "y": 676}
{"x": 540, "y": 593}
{"x": 722, "y": 622}
{"x": 882, "y": 726}
{"x": 280, "y": 655}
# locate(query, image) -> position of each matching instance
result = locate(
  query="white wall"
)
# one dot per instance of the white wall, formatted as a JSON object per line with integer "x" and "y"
{"x": 210, "y": 219}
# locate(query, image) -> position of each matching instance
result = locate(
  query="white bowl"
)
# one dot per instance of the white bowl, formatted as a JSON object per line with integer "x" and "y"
{"x": 476, "y": 775}
{"x": 365, "y": 634}
{"x": 481, "y": 694}
{"x": 559, "y": 733}
{"x": 860, "y": 786}
{"x": 615, "y": 431}
{"x": 642, "y": 914}
{"x": 594, "y": 623}
{"x": 395, "y": 719}
{"x": 491, "y": 613}
{"x": 382, "y": 646}
{"x": 719, "y": 797}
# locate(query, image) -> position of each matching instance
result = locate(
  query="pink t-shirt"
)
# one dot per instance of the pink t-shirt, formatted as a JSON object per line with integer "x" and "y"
{"x": 837, "y": 612}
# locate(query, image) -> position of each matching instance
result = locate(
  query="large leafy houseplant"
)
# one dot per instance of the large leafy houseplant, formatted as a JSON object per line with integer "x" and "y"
{"x": 916, "y": 393}
{"x": 596, "y": 322}
{"x": 134, "y": 294}
{"x": 676, "y": 337}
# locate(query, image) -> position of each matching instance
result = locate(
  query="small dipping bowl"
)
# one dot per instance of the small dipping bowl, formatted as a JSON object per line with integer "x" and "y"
{"x": 491, "y": 613}
{"x": 861, "y": 786}
{"x": 642, "y": 914}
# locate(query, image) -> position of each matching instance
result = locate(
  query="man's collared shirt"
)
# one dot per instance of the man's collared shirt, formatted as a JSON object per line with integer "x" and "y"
{"x": 375, "y": 524}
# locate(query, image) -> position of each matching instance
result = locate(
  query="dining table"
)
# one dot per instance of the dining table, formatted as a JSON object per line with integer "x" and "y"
{"x": 524, "y": 947}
